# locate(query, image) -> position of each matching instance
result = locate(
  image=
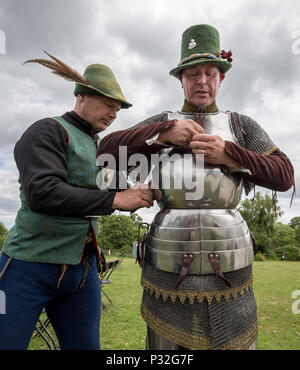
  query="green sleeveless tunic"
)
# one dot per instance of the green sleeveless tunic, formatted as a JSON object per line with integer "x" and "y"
{"x": 37, "y": 237}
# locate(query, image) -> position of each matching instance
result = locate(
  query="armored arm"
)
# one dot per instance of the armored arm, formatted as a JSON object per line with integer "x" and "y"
{"x": 265, "y": 164}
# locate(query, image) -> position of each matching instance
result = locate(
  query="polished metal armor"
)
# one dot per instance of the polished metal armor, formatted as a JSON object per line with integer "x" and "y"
{"x": 201, "y": 226}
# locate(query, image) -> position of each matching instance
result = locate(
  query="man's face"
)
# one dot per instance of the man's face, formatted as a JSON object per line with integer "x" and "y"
{"x": 99, "y": 111}
{"x": 201, "y": 84}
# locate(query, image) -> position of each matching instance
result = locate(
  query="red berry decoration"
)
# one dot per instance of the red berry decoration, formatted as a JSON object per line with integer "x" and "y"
{"x": 226, "y": 55}
{"x": 223, "y": 54}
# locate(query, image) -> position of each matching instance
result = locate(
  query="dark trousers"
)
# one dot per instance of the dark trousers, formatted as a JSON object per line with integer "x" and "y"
{"x": 74, "y": 311}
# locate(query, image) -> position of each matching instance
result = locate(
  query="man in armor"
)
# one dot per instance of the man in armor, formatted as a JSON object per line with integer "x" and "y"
{"x": 197, "y": 256}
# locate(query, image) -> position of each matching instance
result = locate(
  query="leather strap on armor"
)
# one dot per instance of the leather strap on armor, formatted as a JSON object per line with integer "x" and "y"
{"x": 140, "y": 250}
{"x": 214, "y": 259}
{"x": 187, "y": 260}
{"x": 140, "y": 253}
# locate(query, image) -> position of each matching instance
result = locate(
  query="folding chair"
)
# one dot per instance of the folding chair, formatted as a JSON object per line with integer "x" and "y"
{"x": 42, "y": 331}
{"x": 110, "y": 268}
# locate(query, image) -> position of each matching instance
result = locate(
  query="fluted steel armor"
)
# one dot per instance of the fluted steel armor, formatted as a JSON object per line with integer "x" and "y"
{"x": 201, "y": 226}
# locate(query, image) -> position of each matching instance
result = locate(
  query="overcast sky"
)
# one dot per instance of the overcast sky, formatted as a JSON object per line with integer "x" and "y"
{"x": 141, "y": 41}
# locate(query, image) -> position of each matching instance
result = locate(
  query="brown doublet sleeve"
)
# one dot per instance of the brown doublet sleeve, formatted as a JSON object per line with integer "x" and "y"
{"x": 134, "y": 139}
{"x": 273, "y": 171}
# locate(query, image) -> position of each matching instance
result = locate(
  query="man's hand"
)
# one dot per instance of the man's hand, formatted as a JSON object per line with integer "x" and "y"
{"x": 213, "y": 148}
{"x": 181, "y": 133}
{"x": 134, "y": 198}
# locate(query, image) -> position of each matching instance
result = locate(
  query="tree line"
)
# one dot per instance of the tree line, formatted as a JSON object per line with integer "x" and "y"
{"x": 274, "y": 240}
{"x": 3, "y": 233}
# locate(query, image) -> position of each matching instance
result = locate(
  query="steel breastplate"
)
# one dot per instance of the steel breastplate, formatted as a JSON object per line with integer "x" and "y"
{"x": 201, "y": 226}
{"x": 220, "y": 190}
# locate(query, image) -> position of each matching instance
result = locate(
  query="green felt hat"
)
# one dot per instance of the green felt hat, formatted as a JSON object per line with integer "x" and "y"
{"x": 101, "y": 81}
{"x": 201, "y": 44}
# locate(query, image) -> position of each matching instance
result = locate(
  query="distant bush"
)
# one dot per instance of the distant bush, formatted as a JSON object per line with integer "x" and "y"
{"x": 259, "y": 257}
{"x": 3, "y": 233}
{"x": 119, "y": 232}
{"x": 271, "y": 255}
{"x": 290, "y": 252}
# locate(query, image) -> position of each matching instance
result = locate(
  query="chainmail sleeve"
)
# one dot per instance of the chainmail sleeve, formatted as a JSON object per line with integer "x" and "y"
{"x": 253, "y": 137}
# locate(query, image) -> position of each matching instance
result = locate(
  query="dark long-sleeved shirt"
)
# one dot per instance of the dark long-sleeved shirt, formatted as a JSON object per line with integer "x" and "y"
{"x": 41, "y": 158}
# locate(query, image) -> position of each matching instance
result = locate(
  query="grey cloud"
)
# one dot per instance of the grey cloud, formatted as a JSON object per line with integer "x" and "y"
{"x": 33, "y": 25}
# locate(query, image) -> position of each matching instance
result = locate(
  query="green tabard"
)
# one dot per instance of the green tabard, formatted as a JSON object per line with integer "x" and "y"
{"x": 37, "y": 237}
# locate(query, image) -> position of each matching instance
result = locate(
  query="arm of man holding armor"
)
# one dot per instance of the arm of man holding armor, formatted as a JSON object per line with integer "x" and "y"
{"x": 44, "y": 177}
{"x": 173, "y": 132}
{"x": 273, "y": 171}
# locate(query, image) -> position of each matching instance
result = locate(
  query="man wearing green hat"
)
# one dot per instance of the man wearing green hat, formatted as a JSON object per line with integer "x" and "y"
{"x": 50, "y": 258}
{"x": 197, "y": 255}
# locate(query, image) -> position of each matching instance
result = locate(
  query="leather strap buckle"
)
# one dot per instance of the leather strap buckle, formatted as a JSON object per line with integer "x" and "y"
{"x": 214, "y": 259}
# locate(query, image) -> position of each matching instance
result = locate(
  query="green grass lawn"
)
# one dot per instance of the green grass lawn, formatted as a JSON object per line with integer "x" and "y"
{"x": 279, "y": 329}
{"x": 274, "y": 283}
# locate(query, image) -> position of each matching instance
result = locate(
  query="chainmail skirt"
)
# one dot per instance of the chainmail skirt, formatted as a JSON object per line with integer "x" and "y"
{"x": 202, "y": 313}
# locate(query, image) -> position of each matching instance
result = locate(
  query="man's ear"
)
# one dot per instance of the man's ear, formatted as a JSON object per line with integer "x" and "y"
{"x": 81, "y": 96}
{"x": 180, "y": 79}
{"x": 79, "y": 100}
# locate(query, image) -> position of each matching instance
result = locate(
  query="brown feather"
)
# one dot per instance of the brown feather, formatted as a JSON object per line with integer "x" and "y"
{"x": 60, "y": 69}
{"x": 56, "y": 69}
{"x": 70, "y": 71}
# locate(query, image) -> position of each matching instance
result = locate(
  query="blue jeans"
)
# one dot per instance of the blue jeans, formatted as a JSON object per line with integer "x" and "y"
{"x": 74, "y": 311}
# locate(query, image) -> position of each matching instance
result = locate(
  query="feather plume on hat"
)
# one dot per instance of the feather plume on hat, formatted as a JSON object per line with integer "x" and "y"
{"x": 60, "y": 68}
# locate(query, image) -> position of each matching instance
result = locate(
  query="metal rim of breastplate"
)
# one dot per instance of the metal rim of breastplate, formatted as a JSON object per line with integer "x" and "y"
{"x": 200, "y": 245}
{"x": 198, "y": 217}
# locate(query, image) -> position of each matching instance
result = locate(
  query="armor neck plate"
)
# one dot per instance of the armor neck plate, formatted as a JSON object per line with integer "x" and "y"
{"x": 217, "y": 123}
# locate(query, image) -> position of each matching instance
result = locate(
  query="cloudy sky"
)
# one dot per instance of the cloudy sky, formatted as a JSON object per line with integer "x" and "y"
{"x": 140, "y": 41}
